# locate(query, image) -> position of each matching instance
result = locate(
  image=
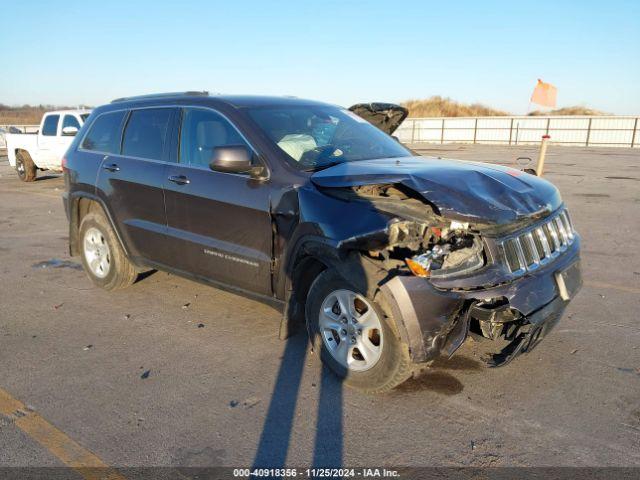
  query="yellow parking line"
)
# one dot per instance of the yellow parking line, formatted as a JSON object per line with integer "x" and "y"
{"x": 56, "y": 441}
{"x": 622, "y": 288}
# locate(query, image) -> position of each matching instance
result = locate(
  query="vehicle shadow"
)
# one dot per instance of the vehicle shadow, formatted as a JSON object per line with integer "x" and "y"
{"x": 144, "y": 275}
{"x": 40, "y": 178}
{"x": 275, "y": 439}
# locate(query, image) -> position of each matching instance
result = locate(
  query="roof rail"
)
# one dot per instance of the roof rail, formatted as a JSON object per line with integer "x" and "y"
{"x": 194, "y": 93}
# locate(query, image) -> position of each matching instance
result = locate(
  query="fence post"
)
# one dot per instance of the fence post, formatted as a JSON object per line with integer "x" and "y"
{"x": 442, "y": 132}
{"x": 542, "y": 155}
{"x": 589, "y": 132}
{"x": 635, "y": 130}
{"x": 413, "y": 131}
{"x": 475, "y": 130}
{"x": 510, "y": 130}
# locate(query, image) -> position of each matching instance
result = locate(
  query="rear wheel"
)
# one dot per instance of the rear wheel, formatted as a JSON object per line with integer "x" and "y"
{"x": 25, "y": 167}
{"x": 102, "y": 256}
{"x": 354, "y": 336}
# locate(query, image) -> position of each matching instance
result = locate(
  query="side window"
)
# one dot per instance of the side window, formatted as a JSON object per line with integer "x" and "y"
{"x": 70, "y": 121}
{"x": 104, "y": 134}
{"x": 50, "y": 127}
{"x": 202, "y": 131}
{"x": 145, "y": 134}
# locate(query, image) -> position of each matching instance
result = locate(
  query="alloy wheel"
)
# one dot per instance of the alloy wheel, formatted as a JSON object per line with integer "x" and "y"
{"x": 351, "y": 330}
{"x": 20, "y": 167}
{"x": 97, "y": 253}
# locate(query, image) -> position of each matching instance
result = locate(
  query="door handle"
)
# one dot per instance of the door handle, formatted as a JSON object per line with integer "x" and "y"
{"x": 179, "y": 179}
{"x": 112, "y": 167}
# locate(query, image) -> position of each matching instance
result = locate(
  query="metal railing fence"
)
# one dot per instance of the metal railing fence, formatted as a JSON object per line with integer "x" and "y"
{"x": 22, "y": 128}
{"x": 613, "y": 131}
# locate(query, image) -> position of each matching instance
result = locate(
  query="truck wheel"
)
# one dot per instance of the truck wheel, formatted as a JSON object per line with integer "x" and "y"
{"x": 354, "y": 337}
{"x": 102, "y": 256}
{"x": 25, "y": 167}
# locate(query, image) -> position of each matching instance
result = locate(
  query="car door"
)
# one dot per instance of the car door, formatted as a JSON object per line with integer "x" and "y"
{"x": 132, "y": 180}
{"x": 219, "y": 223}
{"x": 47, "y": 141}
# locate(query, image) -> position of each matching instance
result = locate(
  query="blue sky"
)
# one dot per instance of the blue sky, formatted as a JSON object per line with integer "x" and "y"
{"x": 343, "y": 52}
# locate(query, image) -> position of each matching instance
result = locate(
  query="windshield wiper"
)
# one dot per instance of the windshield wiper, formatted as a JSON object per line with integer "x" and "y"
{"x": 317, "y": 168}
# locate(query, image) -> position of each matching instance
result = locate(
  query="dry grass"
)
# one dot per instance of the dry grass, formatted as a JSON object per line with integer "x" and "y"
{"x": 445, "y": 107}
{"x": 569, "y": 111}
{"x": 26, "y": 114}
{"x": 437, "y": 106}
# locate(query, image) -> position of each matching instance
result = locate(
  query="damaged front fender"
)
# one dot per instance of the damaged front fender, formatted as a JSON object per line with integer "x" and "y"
{"x": 519, "y": 313}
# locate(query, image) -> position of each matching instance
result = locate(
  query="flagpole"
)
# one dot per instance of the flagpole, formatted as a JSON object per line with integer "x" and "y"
{"x": 518, "y": 124}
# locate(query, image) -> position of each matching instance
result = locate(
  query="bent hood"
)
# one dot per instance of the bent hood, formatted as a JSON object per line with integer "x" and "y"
{"x": 386, "y": 116}
{"x": 460, "y": 190}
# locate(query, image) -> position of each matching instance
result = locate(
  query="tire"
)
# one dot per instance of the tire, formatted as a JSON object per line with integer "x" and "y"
{"x": 102, "y": 257}
{"x": 25, "y": 167}
{"x": 388, "y": 364}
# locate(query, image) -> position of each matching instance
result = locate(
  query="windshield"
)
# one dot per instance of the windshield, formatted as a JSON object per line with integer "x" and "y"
{"x": 315, "y": 137}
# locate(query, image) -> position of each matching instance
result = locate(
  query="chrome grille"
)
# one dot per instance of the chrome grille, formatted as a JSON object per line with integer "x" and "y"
{"x": 539, "y": 245}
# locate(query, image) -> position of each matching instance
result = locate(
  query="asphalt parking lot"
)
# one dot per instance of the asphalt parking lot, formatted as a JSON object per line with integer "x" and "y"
{"x": 222, "y": 389}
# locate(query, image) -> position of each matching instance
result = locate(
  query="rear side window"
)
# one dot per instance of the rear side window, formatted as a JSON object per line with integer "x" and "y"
{"x": 146, "y": 132}
{"x": 70, "y": 121}
{"x": 104, "y": 134}
{"x": 50, "y": 127}
{"x": 202, "y": 131}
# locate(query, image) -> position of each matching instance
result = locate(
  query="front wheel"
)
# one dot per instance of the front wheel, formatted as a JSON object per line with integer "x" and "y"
{"x": 354, "y": 336}
{"x": 25, "y": 167}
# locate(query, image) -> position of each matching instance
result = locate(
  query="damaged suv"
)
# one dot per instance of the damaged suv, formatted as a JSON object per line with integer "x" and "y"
{"x": 389, "y": 259}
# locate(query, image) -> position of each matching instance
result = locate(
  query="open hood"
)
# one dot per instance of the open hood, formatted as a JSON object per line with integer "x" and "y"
{"x": 460, "y": 190}
{"x": 386, "y": 116}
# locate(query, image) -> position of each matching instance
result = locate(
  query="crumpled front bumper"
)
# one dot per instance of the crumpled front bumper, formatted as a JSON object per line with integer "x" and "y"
{"x": 434, "y": 322}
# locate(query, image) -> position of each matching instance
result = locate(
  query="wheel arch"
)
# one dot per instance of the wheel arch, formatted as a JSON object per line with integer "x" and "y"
{"x": 310, "y": 256}
{"x": 80, "y": 204}
{"x": 20, "y": 150}
{"x": 303, "y": 265}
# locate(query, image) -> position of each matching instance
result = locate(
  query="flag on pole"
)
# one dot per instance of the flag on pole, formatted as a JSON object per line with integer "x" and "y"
{"x": 544, "y": 94}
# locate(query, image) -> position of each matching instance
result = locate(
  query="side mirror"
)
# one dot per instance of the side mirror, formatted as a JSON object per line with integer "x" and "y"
{"x": 231, "y": 159}
{"x": 69, "y": 131}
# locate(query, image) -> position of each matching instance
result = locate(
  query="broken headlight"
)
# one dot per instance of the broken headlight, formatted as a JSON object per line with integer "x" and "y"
{"x": 458, "y": 255}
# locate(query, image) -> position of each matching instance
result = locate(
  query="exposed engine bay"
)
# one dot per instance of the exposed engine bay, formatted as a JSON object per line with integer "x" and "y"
{"x": 420, "y": 242}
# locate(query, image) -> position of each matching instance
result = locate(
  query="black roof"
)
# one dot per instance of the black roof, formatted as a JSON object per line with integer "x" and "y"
{"x": 262, "y": 100}
{"x": 156, "y": 96}
{"x": 237, "y": 101}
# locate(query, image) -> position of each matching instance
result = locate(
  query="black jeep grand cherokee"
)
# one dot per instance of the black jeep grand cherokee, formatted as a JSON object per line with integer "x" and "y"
{"x": 390, "y": 259}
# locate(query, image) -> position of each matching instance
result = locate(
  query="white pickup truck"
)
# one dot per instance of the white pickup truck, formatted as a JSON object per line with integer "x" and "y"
{"x": 43, "y": 150}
